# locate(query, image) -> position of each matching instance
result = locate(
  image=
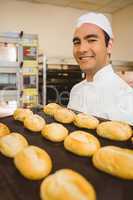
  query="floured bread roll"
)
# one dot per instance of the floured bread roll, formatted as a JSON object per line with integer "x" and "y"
{"x": 115, "y": 161}
{"x": 51, "y": 108}
{"x": 55, "y": 132}
{"x": 34, "y": 123}
{"x": 4, "y": 130}
{"x": 64, "y": 115}
{"x": 33, "y": 163}
{"x": 114, "y": 130}
{"x": 85, "y": 121}
{"x": 66, "y": 184}
{"x": 11, "y": 144}
{"x": 21, "y": 113}
{"x": 81, "y": 143}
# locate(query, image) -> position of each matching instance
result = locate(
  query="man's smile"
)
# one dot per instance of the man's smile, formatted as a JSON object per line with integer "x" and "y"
{"x": 85, "y": 58}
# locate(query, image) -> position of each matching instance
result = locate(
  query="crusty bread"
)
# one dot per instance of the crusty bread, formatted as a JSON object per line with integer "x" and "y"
{"x": 51, "y": 108}
{"x": 21, "y": 113}
{"x": 4, "y": 130}
{"x": 55, "y": 132}
{"x": 81, "y": 143}
{"x": 11, "y": 144}
{"x": 33, "y": 163}
{"x": 34, "y": 123}
{"x": 114, "y": 130}
{"x": 64, "y": 115}
{"x": 85, "y": 121}
{"x": 115, "y": 161}
{"x": 66, "y": 184}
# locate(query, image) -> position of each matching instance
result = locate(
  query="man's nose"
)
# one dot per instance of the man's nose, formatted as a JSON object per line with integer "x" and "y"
{"x": 83, "y": 47}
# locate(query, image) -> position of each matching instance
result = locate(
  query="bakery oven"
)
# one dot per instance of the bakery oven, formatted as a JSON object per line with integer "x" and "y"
{"x": 59, "y": 83}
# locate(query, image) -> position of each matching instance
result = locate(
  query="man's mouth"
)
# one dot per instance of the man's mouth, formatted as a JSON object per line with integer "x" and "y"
{"x": 85, "y": 58}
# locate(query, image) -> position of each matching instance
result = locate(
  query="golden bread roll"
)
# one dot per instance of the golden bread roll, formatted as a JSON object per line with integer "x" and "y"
{"x": 21, "y": 113}
{"x": 81, "y": 143}
{"x": 4, "y": 130}
{"x": 115, "y": 161}
{"x": 114, "y": 130}
{"x": 11, "y": 144}
{"x": 64, "y": 115}
{"x": 51, "y": 108}
{"x": 55, "y": 132}
{"x": 85, "y": 121}
{"x": 33, "y": 163}
{"x": 66, "y": 184}
{"x": 34, "y": 123}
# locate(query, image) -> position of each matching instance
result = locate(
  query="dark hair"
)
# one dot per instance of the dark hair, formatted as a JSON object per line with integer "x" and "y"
{"x": 107, "y": 38}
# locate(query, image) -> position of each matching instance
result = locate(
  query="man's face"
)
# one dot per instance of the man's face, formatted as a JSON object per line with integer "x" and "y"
{"x": 89, "y": 48}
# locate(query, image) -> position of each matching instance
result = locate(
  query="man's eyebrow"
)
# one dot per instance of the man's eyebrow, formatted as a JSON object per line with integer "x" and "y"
{"x": 91, "y": 36}
{"x": 86, "y": 37}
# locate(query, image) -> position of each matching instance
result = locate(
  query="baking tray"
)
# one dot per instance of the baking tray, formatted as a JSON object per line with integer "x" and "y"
{"x": 13, "y": 186}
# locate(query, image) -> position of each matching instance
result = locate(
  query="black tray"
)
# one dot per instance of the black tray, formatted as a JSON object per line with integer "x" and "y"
{"x": 13, "y": 186}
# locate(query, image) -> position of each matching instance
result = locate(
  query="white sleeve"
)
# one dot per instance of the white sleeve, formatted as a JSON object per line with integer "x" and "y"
{"x": 72, "y": 99}
{"x": 75, "y": 99}
{"x": 122, "y": 109}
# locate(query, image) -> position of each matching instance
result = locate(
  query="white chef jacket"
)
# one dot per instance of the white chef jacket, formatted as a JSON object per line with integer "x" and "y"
{"x": 107, "y": 96}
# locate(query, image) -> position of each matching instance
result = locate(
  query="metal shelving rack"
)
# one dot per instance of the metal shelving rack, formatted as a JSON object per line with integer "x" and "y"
{"x": 19, "y": 68}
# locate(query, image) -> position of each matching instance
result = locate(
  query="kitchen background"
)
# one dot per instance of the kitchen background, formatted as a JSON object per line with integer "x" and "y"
{"x": 53, "y": 23}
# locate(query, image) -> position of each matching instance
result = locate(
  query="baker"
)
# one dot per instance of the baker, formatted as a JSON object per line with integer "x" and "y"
{"x": 103, "y": 93}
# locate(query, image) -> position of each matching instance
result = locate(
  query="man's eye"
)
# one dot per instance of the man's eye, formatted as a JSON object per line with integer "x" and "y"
{"x": 92, "y": 40}
{"x": 76, "y": 42}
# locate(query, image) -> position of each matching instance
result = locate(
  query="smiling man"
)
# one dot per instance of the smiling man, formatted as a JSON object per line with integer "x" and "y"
{"x": 103, "y": 93}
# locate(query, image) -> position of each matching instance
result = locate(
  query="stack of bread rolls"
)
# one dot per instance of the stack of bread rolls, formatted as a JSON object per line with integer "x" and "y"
{"x": 35, "y": 163}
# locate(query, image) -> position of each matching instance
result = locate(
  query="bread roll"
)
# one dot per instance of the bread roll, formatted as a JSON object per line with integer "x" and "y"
{"x": 66, "y": 184}
{"x": 33, "y": 163}
{"x": 34, "y": 123}
{"x": 85, "y": 121}
{"x": 11, "y": 144}
{"x": 114, "y": 130}
{"x": 64, "y": 115}
{"x": 21, "y": 113}
{"x": 55, "y": 132}
{"x": 4, "y": 130}
{"x": 115, "y": 161}
{"x": 81, "y": 143}
{"x": 51, "y": 108}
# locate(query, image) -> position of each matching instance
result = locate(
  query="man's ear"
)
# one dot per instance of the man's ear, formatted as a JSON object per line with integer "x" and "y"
{"x": 110, "y": 45}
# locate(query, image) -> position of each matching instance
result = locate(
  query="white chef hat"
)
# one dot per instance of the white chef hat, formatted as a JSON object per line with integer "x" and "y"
{"x": 98, "y": 19}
